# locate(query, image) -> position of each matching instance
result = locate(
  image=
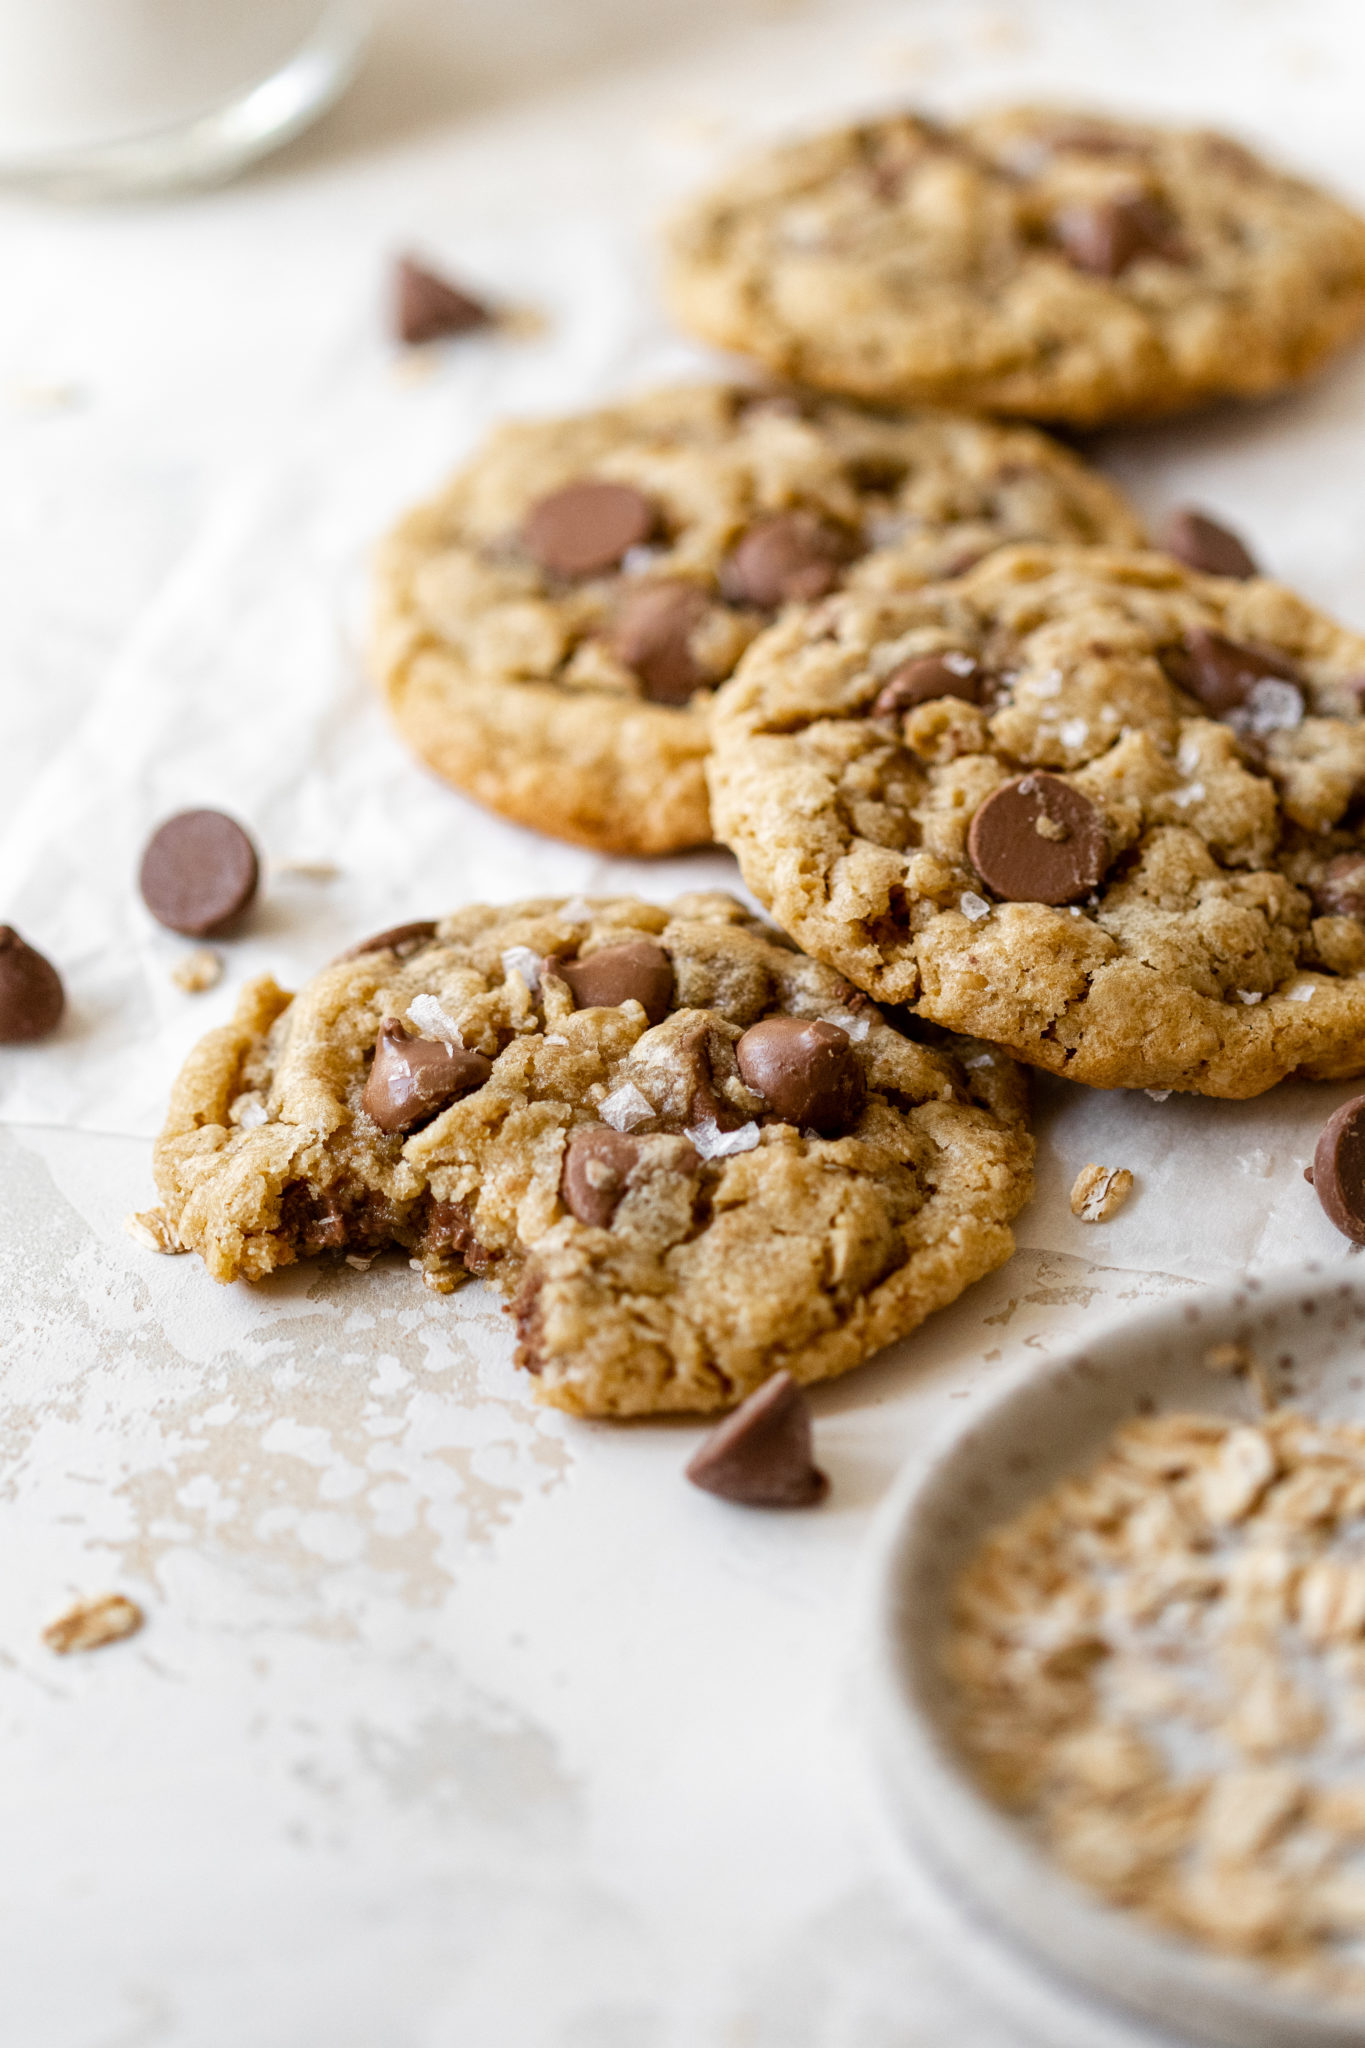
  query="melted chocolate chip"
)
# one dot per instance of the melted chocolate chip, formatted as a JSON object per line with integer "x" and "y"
{"x": 927, "y": 677}
{"x": 1222, "y": 673}
{"x": 585, "y": 528}
{"x": 31, "y": 994}
{"x": 1340, "y": 889}
{"x": 637, "y": 970}
{"x": 199, "y": 873}
{"x": 807, "y": 1072}
{"x": 413, "y": 1079}
{"x": 761, "y": 1456}
{"x": 597, "y": 1164}
{"x": 704, "y": 1102}
{"x": 1339, "y": 1169}
{"x": 1105, "y": 236}
{"x": 790, "y": 558}
{"x": 1201, "y": 543}
{"x": 650, "y": 634}
{"x": 449, "y": 1228}
{"x": 1038, "y": 840}
{"x": 427, "y": 307}
{"x": 400, "y": 938}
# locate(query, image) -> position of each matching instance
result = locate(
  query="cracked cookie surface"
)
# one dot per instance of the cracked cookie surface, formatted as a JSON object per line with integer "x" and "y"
{"x": 550, "y": 627}
{"x": 1121, "y": 835}
{"x": 765, "y": 1176}
{"x": 1032, "y": 261}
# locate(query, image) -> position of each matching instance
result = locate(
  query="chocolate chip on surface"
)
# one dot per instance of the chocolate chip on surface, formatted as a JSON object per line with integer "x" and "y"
{"x": 400, "y": 938}
{"x": 703, "y": 1102}
{"x": 199, "y": 872}
{"x": 1222, "y": 673}
{"x": 1038, "y": 840}
{"x": 806, "y": 1070}
{"x": 585, "y": 528}
{"x": 637, "y": 969}
{"x": 791, "y": 558}
{"x": 927, "y": 677}
{"x": 597, "y": 1164}
{"x": 1339, "y": 1169}
{"x": 31, "y": 995}
{"x": 1105, "y": 236}
{"x": 413, "y": 1079}
{"x": 761, "y": 1456}
{"x": 1201, "y": 543}
{"x": 427, "y": 307}
{"x": 650, "y": 635}
{"x": 1340, "y": 889}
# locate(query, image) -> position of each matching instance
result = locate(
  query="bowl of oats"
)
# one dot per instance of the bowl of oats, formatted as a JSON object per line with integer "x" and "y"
{"x": 1114, "y": 1674}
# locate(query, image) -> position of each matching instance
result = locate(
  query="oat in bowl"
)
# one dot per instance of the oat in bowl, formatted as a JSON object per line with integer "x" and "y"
{"x": 1115, "y": 1672}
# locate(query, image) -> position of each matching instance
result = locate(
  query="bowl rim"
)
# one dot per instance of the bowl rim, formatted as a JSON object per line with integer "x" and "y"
{"x": 975, "y": 1849}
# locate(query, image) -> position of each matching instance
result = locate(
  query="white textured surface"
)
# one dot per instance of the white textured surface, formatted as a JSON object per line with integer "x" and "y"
{"x": 454, "y": 1721}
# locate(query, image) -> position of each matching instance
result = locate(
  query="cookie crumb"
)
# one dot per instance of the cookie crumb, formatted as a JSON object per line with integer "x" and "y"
{"x": 1100, "y": 1192}
{"x": 152, "y": 1230}
{"x": 202, "y": 969}
{"x": 305, "y": 871}
{"x": 90, "y": 1624}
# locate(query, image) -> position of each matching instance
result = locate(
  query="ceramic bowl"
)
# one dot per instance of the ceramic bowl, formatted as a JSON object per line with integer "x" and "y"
{"x": 1023, "y": 1435}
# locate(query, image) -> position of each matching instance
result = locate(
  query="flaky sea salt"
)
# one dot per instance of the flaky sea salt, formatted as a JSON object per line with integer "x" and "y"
{"x": 851, "y": 1021}
{"x": 1249, "y": 995}
{"x": 249, "y": 1113}
{"x": 973, "y": 906}
{"x": 626, "y": 1107}
{"x": 1187, "y": 755}
{"x": 1192, "y": 793}
{"x": 714, "y": 1143}
{"x": 1074, "y": 732}
{"x": 959, "y": 664}
{"x": 1271, "y": 706}
{"x": 1157, "y": 1094}
{"x": 523, "y": 961}
{"x": 576, "y": 910}
{"x": 1303, "y": 993}
{"x": 1049, "y": 684}
{"x": 434, "y": 1022}
{"x": 555, "y": 1038}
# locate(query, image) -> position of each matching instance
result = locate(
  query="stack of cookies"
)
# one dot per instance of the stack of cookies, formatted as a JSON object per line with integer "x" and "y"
{"x": 1012, "y": 785}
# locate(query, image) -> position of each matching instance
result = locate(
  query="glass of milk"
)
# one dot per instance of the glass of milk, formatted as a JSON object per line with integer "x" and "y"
{"x": 109, "y": 96}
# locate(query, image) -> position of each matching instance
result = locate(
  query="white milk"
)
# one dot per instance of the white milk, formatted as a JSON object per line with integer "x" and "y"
{"x": 79, "y": 78}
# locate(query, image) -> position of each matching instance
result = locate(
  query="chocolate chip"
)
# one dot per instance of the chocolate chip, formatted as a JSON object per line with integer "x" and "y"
{"x": 597, "y": 1163}
{"x": 1339, "y": 890}
{"x": 1038, "y": 840}
{"x": 585, "y": 528}
{"x": 1201, "y": 543}
{"x": 761, "y": 1456}
{"x": 927, "y": 677}
{"x": 31, "y": 994}
{"x": 427, "y": 307}
{"x": 199, "y": 872}
{"x": 637, "y": 969}
{"x": 650, "y": 635}
{"x": 788, "y": 559}
{"x": 413, "y": 1079}
{"x": 1339, "y": 1169}
{"x": 1222, "y": 673}
{"x": 806, "y": 1070}
{"x": 400, "y": 938}
{"x": 1105, "y": 236}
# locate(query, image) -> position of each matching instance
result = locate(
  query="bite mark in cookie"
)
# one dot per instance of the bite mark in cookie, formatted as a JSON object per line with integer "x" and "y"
{"x": 689, "y": 1180}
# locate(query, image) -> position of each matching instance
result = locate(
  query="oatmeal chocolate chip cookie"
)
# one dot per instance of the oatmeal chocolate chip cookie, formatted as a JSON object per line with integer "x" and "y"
{"x": 550, "y": 627}
{"x": 1031, "y": 262}
{"x": 1124, "y": 839}
{"x": 690, "y": 1156}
